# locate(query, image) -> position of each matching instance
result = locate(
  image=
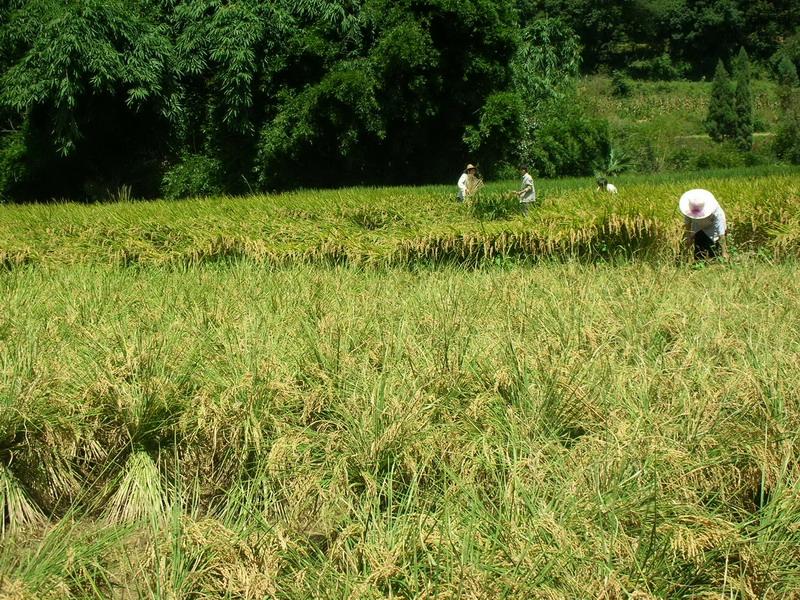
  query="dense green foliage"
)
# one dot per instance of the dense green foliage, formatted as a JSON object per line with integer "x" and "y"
{"x": 315, "y": 93}
{"x": 787, "y": 78}
{"x": 197, "y": 96}
{"x": 787, "y": 140}
{"x": 663, "y": 39}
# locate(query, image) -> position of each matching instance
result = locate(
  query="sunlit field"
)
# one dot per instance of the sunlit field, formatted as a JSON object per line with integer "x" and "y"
{"x": 590, "y": 423}
{"x": 405, "y": 226}
{"x": 557, "y": 431}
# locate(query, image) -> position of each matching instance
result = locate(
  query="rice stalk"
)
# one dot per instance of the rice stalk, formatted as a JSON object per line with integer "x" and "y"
{"x": 17, "y": 510}
{"x": 140, "y": 494}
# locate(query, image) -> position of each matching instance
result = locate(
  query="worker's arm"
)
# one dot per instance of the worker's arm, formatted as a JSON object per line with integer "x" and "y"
{"x": 688, "y": 237}
{"x": 723, "y": 244}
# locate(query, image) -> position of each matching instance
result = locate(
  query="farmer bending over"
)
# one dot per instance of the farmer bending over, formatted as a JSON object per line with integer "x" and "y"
{"x": 527, "y": 193}
{"x": 602, "y": 184}
{"x": 705, "y": 224}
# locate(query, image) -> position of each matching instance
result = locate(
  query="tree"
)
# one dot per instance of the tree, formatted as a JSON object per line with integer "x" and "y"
{"x": 787, "y": 139}
{"x": 789, "y": 49}
{"x": 395, "y": 107}
{"x": 721, "y": 119}
{"x": 787, "y": 81}
{"x": 546, "y": 62}
{"x": 743, "y": 102}
{"x": 543, "y": 71}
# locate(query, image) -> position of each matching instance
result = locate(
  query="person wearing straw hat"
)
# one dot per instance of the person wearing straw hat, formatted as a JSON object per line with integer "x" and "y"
{"x": 464, "y": 181}
{"x": 527, "y": 192}
{"x": 705, "y": 224}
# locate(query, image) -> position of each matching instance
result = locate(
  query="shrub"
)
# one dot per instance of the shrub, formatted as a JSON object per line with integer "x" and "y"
{"x": 12, "y": 166}
{"x": 570, "y": 143}
{"x": 787, "y": 73}
{"x": 757, "y": 159}
{"x": 788, "y": 51}
{"x": 660, "y": 68}
{"x": 680, "y": 160}
{"x": 720, "y": 156}
{"x": 615, "y": 162}
{"x": 621, "y": 85}
{"x": 194, "y": 175}
{"x": 505, "y": 171}
{"x": 787, "y": 139}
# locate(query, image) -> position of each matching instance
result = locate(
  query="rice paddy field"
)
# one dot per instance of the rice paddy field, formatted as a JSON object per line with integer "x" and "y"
{"x": 383, "y": 394}
{"x": 403, "y": 226}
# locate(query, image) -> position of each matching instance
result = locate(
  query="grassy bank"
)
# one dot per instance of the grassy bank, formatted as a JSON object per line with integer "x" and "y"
{"x": 659, "y": 125}
{"x": 401, "y": 226}
{"x": 564, "y": 431}
{"x": 678, "y": 108}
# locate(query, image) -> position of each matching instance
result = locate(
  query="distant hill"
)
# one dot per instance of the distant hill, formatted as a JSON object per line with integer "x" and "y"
{"x": 658, "y": 125}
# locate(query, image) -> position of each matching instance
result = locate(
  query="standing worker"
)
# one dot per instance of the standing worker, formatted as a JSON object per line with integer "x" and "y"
{"x": 464, "y": 187}
{"x": 705, "y": 224}
{"x": 527, "y": 193}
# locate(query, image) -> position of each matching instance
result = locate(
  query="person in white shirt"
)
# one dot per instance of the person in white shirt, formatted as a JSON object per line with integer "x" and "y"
{"x": 705, "y": 224}
{"x": 463, "y": 182}
{"x": 527, "y": 193}
{"x": 602, "y": 184}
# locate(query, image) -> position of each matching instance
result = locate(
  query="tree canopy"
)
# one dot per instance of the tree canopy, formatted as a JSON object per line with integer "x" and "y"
{"x": 179, "y": 97}
{"x": 664, "y": 38}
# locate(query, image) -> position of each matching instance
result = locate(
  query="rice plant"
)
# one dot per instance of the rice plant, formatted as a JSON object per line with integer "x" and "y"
{"x": 245, "y": 398}
{"x": 566, "y": 429}
{"x": 403, "y": 226}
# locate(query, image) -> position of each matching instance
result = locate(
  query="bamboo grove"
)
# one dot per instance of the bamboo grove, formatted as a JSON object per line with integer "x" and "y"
{"x": 195, "y": 97}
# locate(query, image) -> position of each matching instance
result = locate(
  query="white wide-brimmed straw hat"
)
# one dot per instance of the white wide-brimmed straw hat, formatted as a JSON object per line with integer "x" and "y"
{"x": 471, "y": 167}
{"x": 698, "y": 204}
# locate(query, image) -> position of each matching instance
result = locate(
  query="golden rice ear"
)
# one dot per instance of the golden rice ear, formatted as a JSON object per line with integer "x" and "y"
{"x": 474, "y": 184}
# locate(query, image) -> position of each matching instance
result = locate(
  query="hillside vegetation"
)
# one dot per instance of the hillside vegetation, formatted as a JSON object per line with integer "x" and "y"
{"x": 659, "y": 125}
{"x": 204, "y": 97}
